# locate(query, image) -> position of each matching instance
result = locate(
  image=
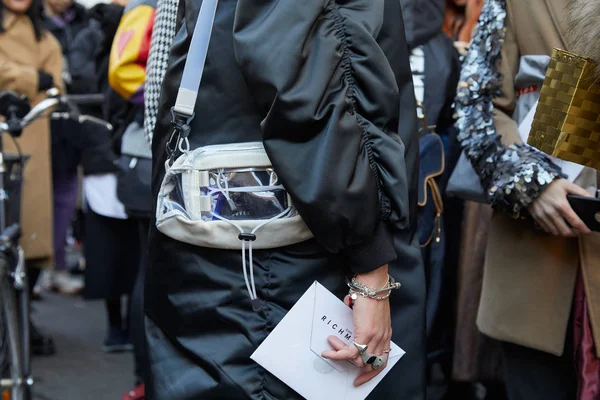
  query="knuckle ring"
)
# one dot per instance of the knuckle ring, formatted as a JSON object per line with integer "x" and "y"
{"x": 362, "y": 348}
{"x": 374, "y": 361}
{"x": 379, "y": 362}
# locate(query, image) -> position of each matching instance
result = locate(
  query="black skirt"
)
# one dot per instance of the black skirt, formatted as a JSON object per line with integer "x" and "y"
{"x": 201, "y": 328}
{"x": 112, "y": 251}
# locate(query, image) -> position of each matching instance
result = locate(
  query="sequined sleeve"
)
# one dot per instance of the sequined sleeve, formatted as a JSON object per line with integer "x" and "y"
{"x": 513, "y": 175}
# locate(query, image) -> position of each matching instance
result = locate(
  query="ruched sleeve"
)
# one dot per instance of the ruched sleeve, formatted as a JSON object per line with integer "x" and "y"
{"x": 331, "y": 108}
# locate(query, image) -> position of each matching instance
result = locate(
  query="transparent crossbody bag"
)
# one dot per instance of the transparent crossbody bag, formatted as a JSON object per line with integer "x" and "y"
{"x": 221, "y": 196}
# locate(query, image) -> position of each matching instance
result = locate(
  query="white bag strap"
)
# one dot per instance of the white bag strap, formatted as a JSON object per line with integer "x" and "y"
{"x": 182, "y": 113}
{"x": 196, "y": 58}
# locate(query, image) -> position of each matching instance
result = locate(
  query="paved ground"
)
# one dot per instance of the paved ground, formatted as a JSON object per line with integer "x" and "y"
{"x": 79, "y": 370}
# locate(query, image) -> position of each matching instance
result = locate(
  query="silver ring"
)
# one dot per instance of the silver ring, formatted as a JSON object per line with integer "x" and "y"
{"x": 379, "y": 362}
{"x": 368, "y": 358}
{"x": 362, "y": 348}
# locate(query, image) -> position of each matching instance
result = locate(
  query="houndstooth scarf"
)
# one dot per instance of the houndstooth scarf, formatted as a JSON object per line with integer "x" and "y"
{"x": 162, "y": 36}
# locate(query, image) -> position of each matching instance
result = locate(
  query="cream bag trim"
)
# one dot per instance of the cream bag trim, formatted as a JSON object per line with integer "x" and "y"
{"x": 222, "y": 235}
{"x": 216, "y": 233}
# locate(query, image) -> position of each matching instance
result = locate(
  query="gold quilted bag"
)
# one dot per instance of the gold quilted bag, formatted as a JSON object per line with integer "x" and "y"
{"x": 566, "y": 124}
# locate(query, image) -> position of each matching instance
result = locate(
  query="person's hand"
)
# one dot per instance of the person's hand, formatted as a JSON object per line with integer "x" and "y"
{"x": 461, "y": 47}
{"x": 372, "y": 327}
{"x": 554, "y": 214}
{"x": 45, "y": 81}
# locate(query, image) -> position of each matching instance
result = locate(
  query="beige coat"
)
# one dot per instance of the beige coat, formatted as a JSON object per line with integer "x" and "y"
{"x": 21, "y": 56}
{"x": 529, "y": 277}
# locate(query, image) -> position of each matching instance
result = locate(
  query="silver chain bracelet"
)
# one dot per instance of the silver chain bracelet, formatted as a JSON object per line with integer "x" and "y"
{"x": 359, "y": 289}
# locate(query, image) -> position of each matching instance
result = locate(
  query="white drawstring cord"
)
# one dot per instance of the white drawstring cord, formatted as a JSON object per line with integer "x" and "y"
{"x": 250, "y": 286}
{"x": 246, "y": 237}
{"x": 251, "y": 289}
{"x": 251, "y": 268}
{"x": 224, "y": 192}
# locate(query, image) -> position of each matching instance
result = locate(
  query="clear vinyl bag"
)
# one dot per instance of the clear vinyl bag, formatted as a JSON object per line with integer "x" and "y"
{"x": 220, "y": 196}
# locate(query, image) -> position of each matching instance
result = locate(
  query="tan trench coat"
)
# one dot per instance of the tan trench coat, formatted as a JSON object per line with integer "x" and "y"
{"x": 21, "y": 56}
{"x": 529, "y": 278}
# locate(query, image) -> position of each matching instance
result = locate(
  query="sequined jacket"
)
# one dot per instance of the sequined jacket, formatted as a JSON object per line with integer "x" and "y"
{"x": 529, "y": 277}
{"x": 514, "y": 175}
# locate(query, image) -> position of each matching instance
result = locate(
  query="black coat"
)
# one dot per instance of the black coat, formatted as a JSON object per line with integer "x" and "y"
{"x": 66, "y": 36}
{"x": 424, "y": 20}
{"x": 66, "y": 135}
{"x": 326, "y": 85}
{"x": 90, "y": 55}
{"x": 424, "y": 29}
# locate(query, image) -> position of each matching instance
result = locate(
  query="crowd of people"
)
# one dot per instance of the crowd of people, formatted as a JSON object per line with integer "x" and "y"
{"x": 78, "y": 167}
{"x": 368, "y": 112}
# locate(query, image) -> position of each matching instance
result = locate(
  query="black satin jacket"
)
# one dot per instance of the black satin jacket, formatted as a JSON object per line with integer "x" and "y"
{"x": 326, "y": 85}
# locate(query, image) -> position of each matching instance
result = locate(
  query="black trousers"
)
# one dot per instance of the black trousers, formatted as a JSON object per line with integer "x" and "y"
{"x": 137, "y": 327}
{"x": 531, "y": 375}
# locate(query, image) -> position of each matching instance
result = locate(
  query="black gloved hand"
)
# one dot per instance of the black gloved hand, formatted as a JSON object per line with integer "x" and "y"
{"x": 45, "y": 81}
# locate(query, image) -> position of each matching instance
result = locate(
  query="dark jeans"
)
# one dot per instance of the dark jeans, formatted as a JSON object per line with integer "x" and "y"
{"x": 531, "y": 375}
{"x": 65, "y": 190}
{"x": 137, "y": 328}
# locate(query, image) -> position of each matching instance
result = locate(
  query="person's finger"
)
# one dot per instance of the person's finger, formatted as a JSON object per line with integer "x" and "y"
{"x": 561, "y": 226}
{"x": 336, "y": 343}
{"x": 381, "y": 342}
{"x": 573, "y": 219}
{"x": 341, "y": 351}
{"x": 347, "y": 300}
{"x": 544, "y": 225}
{"x": 577, "y": 190}
{"x": 545, "y": 220}
{"x": 343, "y": 354}
{"x": 367, "y": 376}
{"x": 536, "y": 212}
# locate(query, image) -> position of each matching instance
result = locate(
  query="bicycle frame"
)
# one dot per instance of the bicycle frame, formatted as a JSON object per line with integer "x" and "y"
{"x": 14, "y": 286}
{"x": 15, "y": 300}
{"x": 17, "y": 321}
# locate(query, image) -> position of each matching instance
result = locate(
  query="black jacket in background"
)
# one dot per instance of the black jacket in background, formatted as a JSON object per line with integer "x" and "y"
{"x": 66, "y": 37}
{"x": 424, "y": 20}
{"x": 90, "y": 57}
{"x": 66, "y": 134}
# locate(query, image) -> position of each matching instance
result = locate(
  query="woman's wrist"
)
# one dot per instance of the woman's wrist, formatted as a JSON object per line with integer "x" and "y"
{"x": 374, "y": 279}
{"x": 375, "y": 285}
